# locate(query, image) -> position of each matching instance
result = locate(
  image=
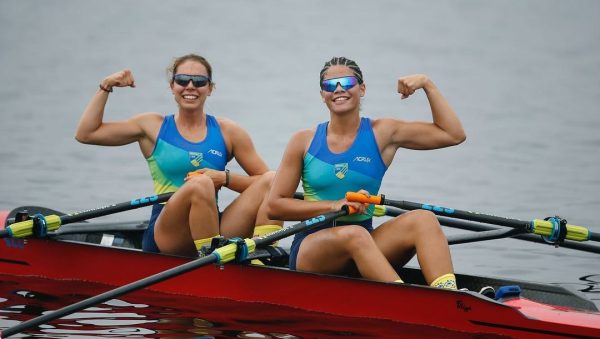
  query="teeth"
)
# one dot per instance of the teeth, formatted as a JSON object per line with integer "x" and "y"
{"x": 340, "y": 99}
{"x": 190, "y": 97}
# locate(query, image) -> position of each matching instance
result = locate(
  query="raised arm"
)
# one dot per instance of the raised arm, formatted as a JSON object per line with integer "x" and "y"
{"x": 445, "y": 129}
{"x": 93, "y": 130}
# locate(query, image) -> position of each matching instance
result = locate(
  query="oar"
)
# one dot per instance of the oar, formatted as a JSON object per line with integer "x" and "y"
{"x": 43, "y": 224}
{"x": 237, "y": 249}
{"x": 486, "y": 232}
{"x": 481, "y": 228}
{"x": 556, "y": 230}
{"x": 29, "y": 210}
{"x": 115, "y": 226}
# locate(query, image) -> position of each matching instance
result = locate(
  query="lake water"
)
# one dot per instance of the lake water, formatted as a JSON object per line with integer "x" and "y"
{"x": 524, "y": 77}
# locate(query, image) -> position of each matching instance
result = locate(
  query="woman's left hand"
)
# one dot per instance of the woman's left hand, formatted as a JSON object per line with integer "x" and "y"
{"x": 407, "y": 85}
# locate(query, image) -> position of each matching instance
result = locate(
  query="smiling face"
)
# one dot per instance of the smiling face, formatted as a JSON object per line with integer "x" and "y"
{"x": 189, "y": 97}
{"x": 342, "y": 101}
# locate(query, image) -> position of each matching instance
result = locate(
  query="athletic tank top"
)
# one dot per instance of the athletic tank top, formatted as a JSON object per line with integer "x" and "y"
{"x": 328, "y": 176}
{"x": 174, "y": 156}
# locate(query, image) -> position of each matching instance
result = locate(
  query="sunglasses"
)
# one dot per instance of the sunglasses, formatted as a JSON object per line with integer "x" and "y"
{"x": 197, "y": 80}
{"x": 347, "y": 82}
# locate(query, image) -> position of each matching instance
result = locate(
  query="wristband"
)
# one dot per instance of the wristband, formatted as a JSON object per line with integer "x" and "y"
{"x": 226, "y": 178}
{"x": 107, "y": 90}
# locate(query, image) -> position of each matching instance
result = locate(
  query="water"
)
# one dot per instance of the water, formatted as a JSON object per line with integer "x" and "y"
{"x": 522, "y": 75}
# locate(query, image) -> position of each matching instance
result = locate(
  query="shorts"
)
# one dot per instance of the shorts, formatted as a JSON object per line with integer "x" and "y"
{"x": 148, "y": 242}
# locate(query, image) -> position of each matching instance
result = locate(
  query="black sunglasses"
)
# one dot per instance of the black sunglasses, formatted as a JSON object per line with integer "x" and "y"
{"x": 197, "y": 80}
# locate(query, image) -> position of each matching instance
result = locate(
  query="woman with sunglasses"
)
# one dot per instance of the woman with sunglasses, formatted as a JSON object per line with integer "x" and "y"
{"x": 189, "y": 141}
{"x": 352, "y": 153}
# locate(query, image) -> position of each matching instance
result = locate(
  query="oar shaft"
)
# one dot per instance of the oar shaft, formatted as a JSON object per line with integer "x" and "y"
{"x": 115, "y": 208}
{"x": 25, "y": 228}
{"x": 459, "y": 214}
{"x": 302, "y": 226}
{"x": 546, "y": 228}
{"x": 438, "y": 210}
{"x": 118, "y": 226}
{"x": 477, "y": 227}
{"x": 456, "y": 239}
{"x": 537, "y": 226}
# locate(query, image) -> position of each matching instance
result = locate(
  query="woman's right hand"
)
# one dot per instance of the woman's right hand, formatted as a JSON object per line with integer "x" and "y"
{"x": 122, "y": 78}
{"x": 359, "y": 207}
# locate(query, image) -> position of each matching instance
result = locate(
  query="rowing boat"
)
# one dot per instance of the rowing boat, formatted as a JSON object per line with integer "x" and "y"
{"x": 532, "y": 310}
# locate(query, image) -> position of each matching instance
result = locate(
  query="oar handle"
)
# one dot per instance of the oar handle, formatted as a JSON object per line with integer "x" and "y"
{"x": 359, "y": 197}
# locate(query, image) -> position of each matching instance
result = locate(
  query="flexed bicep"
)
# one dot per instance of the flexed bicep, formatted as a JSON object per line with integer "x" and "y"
{"x": 114, "y": 133}
{"x": 93, "y": 130}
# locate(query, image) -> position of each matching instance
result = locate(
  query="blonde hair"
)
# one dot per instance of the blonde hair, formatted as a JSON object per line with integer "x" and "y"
{"x": 172, "y": 69}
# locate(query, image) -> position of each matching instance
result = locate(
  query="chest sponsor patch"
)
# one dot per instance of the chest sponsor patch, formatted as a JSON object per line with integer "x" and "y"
{"x": 215, "y": 152}
{"x": 362, "y": 159}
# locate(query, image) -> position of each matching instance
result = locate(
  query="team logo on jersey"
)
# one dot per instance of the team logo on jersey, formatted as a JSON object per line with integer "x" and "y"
{"x": 195, "y": 158}
{"x": 340, "y": 170}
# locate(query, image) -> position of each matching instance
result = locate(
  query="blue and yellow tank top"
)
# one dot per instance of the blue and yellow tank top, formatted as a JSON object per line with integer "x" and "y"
{"x": 328, "y": 176}
{"x": 174, "y": 156}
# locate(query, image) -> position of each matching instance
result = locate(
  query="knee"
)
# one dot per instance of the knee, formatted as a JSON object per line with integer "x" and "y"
{"x": 266, "y": 179}
{"x": 422, "y": 221}
{"x": 264, "y": 182}
{"x": 354, "y": 238}
{"x": 200, "y": 187}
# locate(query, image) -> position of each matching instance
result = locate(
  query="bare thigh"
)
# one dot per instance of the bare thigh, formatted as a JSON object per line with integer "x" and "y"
{"x": 190, "y": 214}
{"x": 325, "y": 252}
{"x": 247, "y": 210}
{"x": 394, "y": 241}
{"x": 416, "y": 232}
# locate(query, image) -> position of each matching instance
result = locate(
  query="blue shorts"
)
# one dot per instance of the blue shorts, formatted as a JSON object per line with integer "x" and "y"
{"x": 148, "y": 242}
{"x": 298, "y": 238}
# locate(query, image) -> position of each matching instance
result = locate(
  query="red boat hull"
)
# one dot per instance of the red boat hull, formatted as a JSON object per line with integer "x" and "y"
{"x": 410, "y": 304}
